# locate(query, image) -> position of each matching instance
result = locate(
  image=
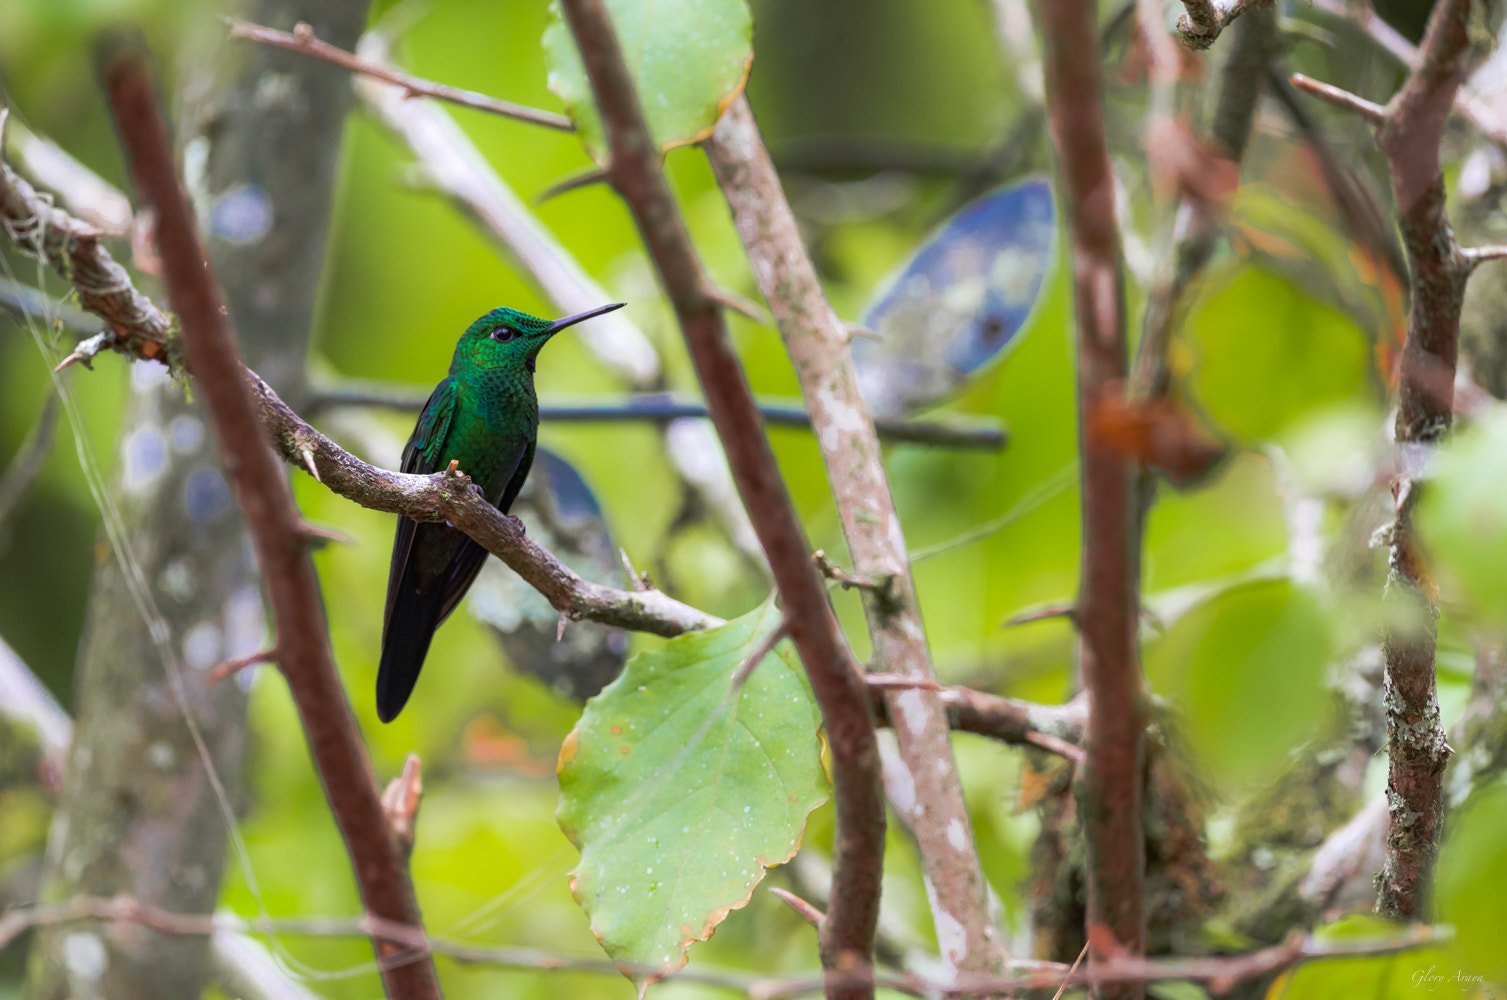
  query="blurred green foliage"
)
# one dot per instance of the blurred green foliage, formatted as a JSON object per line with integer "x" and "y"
{"x": 1273, "y": 361}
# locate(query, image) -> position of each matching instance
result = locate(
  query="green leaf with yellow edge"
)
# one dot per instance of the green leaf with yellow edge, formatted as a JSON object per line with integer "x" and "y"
{"x": 1246, "y": 668}
{"x": 1471, "y": 872}
{"x": 688, "y": 58}
{"x": 1265, "y": 353}
{"x": 680, "y": 791}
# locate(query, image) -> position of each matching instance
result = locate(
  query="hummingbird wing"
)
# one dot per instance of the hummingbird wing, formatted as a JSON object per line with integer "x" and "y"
{"x": 421, "y": 455}
{"x": 433, "y": 565}
{"x": 470, "y": 559}
{"x": 414, "y": 595}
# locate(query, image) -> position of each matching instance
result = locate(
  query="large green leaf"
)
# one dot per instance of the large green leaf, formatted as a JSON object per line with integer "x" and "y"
{"x": 1472, "y": 870}
{"x": 1463, "y": 515}
{"x": 1266, "y": 352}
{"x": 680, "y": 791}
{"x": 688, "y": 58}
{"x": 1246, "y": 668}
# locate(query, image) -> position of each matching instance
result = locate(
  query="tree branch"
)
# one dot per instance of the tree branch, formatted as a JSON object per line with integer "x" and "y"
{"x": 1478, "y": 112}
{"x": 1108, "y": 603}
{"x": 273, "y": 521}
{"x": 435, "y": 498}
{"x": 1224, "y": 971}
{"x": 1409, "y": 131}
{"x": 1206, "y": 19}
{"x": 1057, "y": 729}
{"x": 302, "y": 40}
{"x": 1369, "y": 110}
{"x": 847, "y": 933}
{"x": 456, "y": 169}
{"x": 818, "y": 346}
{"x": 662, "y": 407}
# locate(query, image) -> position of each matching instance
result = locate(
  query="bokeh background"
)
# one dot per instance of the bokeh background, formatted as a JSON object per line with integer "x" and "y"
{"x": 885, "y": 117}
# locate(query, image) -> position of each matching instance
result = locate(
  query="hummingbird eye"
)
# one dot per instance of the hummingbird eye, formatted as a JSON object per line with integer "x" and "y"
{"x": 503, "y": 334}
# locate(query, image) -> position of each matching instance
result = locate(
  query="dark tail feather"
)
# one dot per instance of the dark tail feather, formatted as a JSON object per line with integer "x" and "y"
{"x": 410, "y": 628}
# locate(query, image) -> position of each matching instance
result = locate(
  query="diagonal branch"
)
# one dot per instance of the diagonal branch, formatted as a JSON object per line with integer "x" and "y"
{"x": 847, "y": 932}
{"x": 301, "y": 39}
{"x": 142, "y": 332}
{"x": 274, "y": 524}
{"x": 818, "y": 348}
{"x": 1108, "y": 601}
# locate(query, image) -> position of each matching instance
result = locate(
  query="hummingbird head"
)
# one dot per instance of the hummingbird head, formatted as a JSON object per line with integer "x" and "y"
{"x": 507, "y": 338}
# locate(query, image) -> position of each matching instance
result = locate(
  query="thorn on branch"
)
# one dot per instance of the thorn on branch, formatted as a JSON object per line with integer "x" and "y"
{"x": 1372, "y": 112}
{"x": 230, "y": 668}
{"x": 740, "y": 305}
{"x": 572, "y": 182}
{"x": 858, "y": 331}
{"x": 640, "y": 582}
{"x": 316, "y": 537}
{"x": 400, "y": 801}
{"x": 1044, "y": 613}
{"x": 1476, "y": 256}
{"x": 86, "y": 350}
{"x": 882, "y": 587}
{"x": 308, "y": 463}
{"x": 807, "y": 911}
{"x": 560, "y": 628}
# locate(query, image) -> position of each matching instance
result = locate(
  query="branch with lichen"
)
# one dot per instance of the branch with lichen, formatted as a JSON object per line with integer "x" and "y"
{"x": 818, "y": 347}
{"x": 1206, "y": 19}
{"x": 1408, "y": 131}
{"x": 142, "y": 330}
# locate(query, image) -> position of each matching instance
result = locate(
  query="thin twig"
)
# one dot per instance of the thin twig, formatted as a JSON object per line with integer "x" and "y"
{"x": 301, "y": 39}
{"x": 455, "y": 168}
{"x": 847, "y": 933}
{"x": 273, "y": 522}
{"x": 662, "y": 407}
{"x": 1369, "y": 110}
{"x": 1225, "y": 971}
{"x": 1055, "y": 728}
{"x": 1481, "y": 114}
{"x": 229, "y": 668}
{"x": 818, "y": 346}
{"x": 807, "y": 912}
{"x": 1108, "y": 602}
{"x": 1476, "y": 256}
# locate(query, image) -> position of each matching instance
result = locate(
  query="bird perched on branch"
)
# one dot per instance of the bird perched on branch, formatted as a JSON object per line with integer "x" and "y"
{"x": 485, "y": 417}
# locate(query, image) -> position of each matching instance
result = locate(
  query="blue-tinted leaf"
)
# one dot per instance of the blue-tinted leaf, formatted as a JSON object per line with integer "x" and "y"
{"x": 562, "y": 514}
{"x": 960, "y": 302}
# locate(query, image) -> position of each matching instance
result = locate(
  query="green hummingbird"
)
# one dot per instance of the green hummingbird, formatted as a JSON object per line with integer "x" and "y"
{"x": 485, "y": 417}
